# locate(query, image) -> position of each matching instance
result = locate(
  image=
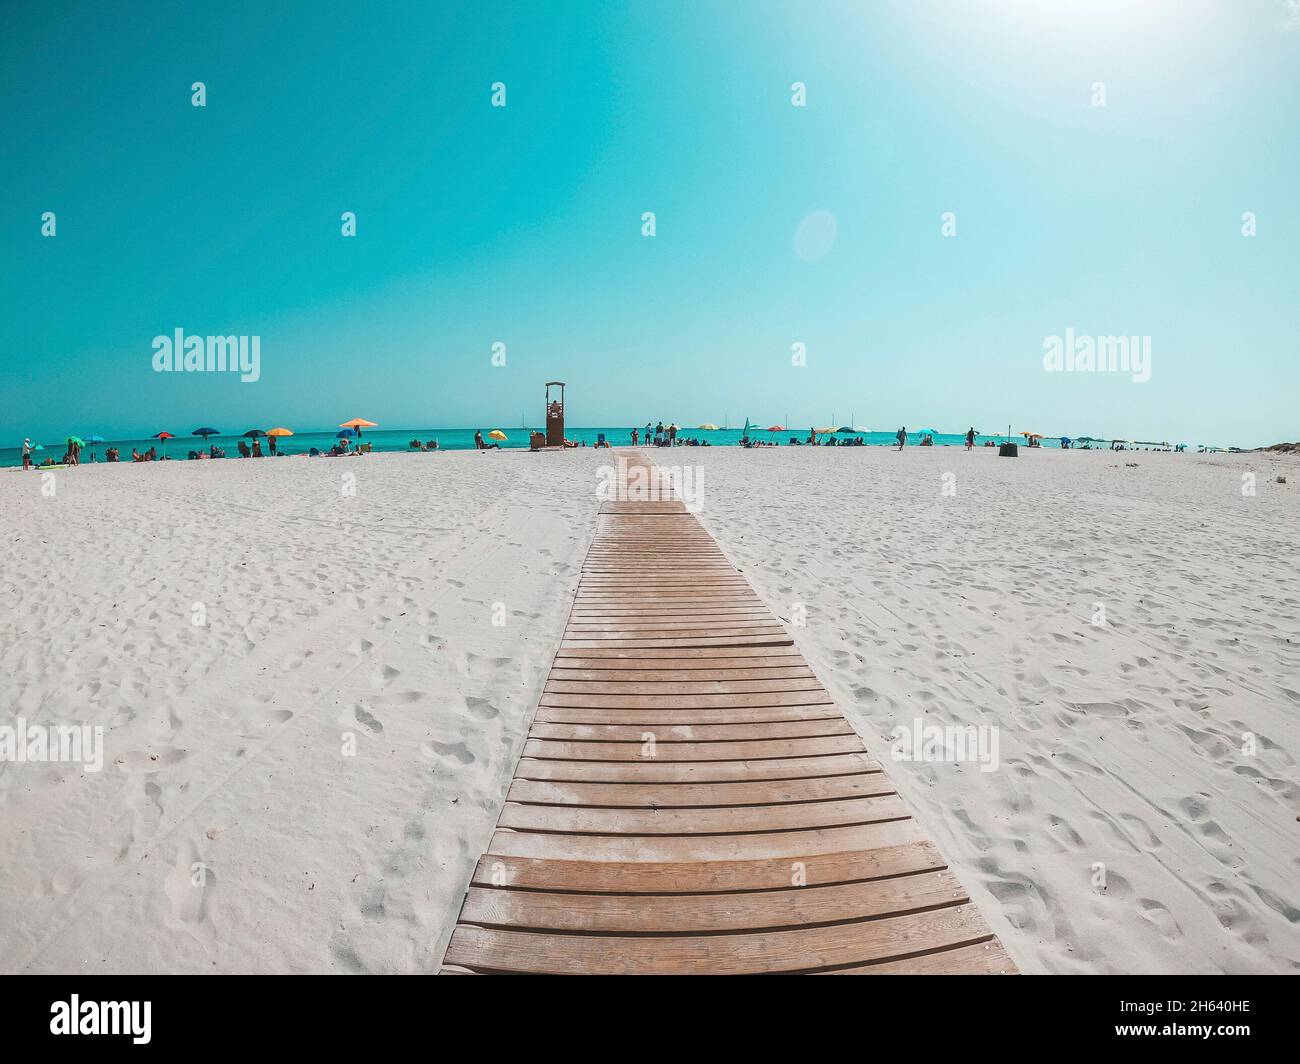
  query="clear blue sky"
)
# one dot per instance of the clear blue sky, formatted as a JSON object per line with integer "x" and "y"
{"x": 478, "y": 224}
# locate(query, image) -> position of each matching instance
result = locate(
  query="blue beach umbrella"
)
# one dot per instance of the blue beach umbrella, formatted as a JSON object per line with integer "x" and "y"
{"x": 345, "y": 434}
{"x": 205, "y": 433}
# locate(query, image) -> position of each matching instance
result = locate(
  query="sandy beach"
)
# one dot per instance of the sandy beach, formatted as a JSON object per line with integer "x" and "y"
{"x": 303, "y": 781}
{"x": 1120, "y": 745}
{"x": 327, "y": 617}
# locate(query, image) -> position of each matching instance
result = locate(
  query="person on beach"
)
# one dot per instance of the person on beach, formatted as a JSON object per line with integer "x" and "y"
{"x": 27, "y": 453}
{"x": 970, "y": 438}
{"x": 481, "y": 445}
{"x": 272, "y": 443}
{"x": 257, "y": 448}
{"x": 634, "y": 437}
{"x": 901, "y": 436}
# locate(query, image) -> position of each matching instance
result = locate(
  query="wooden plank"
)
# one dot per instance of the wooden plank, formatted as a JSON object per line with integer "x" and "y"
{"x": 715, "y": 820}
{"x": 664, "y": 771}
{"x": 685, "y": 643}
{"x": 684, "y": 687}
{"x": 636, "y": 658}
{"x": 692, "y": 733}
{"x": 794, "y": 845}
{"x": 800, "y": 950}
{"x": 982, "y": 958}
{"x": 696, "y": 701}
{"x": 686, "y": 795}
{"x": 667, "y": 675}
{"x": 674, "y": 717}
{"x": 705, "y": 913}
{"x": 723, "y": 877}
{"x": 666, "y": 750}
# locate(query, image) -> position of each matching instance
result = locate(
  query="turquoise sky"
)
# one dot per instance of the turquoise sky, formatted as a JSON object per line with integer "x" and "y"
{"x": 522, "y": 224}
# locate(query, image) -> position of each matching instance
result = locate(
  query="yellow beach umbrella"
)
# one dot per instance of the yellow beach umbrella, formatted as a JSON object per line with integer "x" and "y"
{"x": 497, "y": 434}
{"x": 279, "y": 432}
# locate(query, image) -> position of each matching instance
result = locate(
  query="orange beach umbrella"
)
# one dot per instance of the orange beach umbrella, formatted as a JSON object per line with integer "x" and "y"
{"x": 279, "y": 432}
{"x": 359, "y": 423}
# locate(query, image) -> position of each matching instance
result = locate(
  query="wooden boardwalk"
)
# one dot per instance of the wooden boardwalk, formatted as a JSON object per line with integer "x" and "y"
{"x": 690, "y": 800}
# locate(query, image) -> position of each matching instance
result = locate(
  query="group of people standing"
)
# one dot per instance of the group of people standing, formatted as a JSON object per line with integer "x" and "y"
{"x": 928, "y": 441}
{"x": 660, "y": 436}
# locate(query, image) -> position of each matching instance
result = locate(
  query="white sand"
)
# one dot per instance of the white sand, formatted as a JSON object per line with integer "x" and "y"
{"x": 1119, "y": 745}
{"x": 326, "y": 615}
{"x": 371, "y": 615}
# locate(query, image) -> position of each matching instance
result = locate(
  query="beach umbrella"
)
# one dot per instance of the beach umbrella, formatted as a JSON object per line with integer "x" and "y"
{"x": 345, "y": 434}
{"x": 924, "y": 432}
{"x": 254, "y": 433}
{"x": 77, "y": 440}
{"x": 205, "y": 433}
{"x": 278, "y": 433}
{"x": 708, "y": 426}
{"x": 164, "y": 436}
{"x": 497, "y": 434}
{"x": 359, "y": 423}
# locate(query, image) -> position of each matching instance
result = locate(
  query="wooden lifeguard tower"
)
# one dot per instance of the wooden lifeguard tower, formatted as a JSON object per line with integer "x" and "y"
{"x": 554, "y": 436}
{"x": 554, "y": 415}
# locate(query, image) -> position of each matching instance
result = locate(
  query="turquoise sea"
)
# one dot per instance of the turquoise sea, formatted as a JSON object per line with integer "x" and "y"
{"x": 454, "y": 440}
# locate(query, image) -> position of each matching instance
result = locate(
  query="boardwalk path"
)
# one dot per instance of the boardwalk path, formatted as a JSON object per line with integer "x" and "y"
{"x": 690, "y": 800}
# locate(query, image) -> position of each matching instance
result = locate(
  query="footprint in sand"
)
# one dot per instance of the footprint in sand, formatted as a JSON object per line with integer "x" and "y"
{"x": 1159, "y": 917}
{"x": 367, "y": 720}
{"x": 384, "y": 676}
{"x": 450, "y": 752}
{"x": 481, "y": 708}
{"x": 188, "y": 888}
{"x": 295, "y": 661}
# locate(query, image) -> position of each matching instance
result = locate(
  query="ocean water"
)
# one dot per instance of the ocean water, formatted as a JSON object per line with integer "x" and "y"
{"x": 454, "y": 440}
